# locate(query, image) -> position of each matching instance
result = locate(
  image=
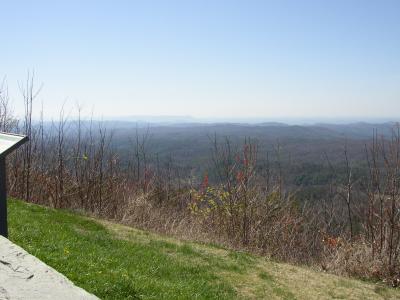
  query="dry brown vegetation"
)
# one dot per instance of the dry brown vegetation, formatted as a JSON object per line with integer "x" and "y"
{"x": 353, "y": 230}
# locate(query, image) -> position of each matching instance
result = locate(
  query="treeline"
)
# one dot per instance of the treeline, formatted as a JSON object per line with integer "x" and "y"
{"x": 354, "y": 228}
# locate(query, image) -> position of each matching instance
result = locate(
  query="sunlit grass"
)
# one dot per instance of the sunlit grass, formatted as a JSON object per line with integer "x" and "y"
{"x": 117, "y": 262}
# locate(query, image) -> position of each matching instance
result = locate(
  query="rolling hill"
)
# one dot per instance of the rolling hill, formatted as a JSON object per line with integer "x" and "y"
{"x": 113, "y": 261}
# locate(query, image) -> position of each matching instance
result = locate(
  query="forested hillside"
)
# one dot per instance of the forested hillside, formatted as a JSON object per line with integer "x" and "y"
{"x": 323, "y": 195}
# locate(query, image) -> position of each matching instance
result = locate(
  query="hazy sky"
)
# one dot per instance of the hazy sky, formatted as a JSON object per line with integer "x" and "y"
{"x": 207, "y": 58}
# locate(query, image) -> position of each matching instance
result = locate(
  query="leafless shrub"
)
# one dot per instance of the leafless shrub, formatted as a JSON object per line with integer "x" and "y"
{"x": 72, "y": 164}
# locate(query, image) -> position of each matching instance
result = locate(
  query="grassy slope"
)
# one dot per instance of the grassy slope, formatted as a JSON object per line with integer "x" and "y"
{"x": 118, "y": 262}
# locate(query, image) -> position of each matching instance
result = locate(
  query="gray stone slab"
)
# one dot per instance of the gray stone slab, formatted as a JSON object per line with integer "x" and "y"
{"x": 23, "y": 276}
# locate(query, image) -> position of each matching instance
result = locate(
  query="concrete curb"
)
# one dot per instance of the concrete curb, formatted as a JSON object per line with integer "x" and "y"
{"x": 23, "y": 276}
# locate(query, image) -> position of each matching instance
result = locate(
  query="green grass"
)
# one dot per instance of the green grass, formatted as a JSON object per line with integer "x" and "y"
{"x": 118, "y": 262}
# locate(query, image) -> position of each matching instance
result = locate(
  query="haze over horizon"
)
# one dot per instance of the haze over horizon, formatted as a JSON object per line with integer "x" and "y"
{"x": 272, "y": 60}
{"x": 170, "y": 119}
